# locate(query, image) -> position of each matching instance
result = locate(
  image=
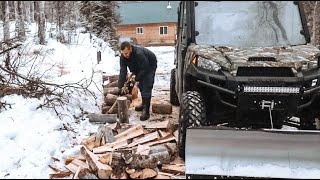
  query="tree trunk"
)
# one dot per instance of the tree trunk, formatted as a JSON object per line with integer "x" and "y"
{"x": 15, "y": 3}
{"x": 32, "y": 11}
{"x": 20, "y": 22}
{"x": 36, "y": 10}
{"x": 6, "y": 30}
{"x": 41, "y": 23}
{"x": 6, "y": 20}
{"x": 27, "y": 11}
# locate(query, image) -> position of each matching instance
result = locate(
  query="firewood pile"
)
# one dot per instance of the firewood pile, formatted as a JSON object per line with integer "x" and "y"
{"x": 127, "y": 151}
{"x": 110, "y": 93}
{"x": 119, "y": 150}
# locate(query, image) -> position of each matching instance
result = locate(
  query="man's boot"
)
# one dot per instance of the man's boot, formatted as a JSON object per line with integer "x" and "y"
{"x": 141, "y": 106}
{"x": 146, "y": 111}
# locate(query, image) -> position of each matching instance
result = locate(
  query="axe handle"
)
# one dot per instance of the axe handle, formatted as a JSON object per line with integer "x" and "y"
{"x": 112, "y": 107}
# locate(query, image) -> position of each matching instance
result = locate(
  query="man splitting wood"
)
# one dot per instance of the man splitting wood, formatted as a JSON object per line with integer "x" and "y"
{"x": 143, "y": 64}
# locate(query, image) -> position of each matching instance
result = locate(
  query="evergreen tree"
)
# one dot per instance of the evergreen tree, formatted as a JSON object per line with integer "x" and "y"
{"x": 102, "y": 18}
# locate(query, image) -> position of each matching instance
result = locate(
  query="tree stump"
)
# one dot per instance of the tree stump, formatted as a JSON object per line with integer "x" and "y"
{"x": 123, "y": 109}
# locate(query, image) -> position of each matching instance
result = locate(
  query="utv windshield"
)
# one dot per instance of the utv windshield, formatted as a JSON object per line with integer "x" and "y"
{"x": 248, "y": 23}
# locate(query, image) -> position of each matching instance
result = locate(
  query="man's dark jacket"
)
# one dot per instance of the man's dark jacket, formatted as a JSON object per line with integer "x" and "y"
{"x": 141, "y": 62}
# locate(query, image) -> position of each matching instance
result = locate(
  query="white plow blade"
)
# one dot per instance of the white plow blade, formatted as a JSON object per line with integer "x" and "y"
{"x": 246, "y": 153}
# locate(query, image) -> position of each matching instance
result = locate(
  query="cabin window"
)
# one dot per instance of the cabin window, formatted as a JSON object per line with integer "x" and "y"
{"x": 163, "y": 30}
{"x": 139, "y": 30}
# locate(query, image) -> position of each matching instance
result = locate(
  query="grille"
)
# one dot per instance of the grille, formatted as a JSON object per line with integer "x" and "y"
{"x": 265, "y": 72}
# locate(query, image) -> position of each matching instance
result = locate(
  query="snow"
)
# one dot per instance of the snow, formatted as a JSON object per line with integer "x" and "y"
{"x": 31, "y": 138}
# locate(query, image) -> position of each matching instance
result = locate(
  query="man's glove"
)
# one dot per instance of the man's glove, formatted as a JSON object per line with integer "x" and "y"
{"x": 124, "y": 90}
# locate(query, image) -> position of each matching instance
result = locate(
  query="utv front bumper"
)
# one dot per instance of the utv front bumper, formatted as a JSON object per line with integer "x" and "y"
{"x": 251, "y": 90}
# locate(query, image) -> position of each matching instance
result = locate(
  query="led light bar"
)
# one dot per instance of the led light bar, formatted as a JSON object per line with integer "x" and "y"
{"x": 266, "y": 89}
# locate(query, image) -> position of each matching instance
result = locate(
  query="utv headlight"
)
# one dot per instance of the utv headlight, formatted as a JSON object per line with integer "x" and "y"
{"x": 208, "y": 64}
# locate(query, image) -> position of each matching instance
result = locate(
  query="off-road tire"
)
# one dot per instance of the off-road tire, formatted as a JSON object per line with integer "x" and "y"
{"x": 192, "y": 114}
{"x": 173, "y": 94}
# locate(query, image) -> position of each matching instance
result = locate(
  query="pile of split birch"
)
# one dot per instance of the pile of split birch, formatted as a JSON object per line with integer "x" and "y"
{"x": 127, "y": 151}
{"x": 119, "y": 150}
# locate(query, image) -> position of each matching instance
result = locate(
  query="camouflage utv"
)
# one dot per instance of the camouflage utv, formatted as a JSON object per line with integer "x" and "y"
{"x": 244, "y": 64}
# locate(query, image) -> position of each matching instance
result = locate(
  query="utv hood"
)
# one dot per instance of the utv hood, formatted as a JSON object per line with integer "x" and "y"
{"x": 300, "y": 57}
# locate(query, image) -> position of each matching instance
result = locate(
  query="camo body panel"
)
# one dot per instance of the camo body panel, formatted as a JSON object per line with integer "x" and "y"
{"x": 230, "y": 58}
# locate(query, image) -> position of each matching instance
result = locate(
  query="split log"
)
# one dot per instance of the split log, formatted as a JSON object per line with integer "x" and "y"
{"x": 163, "y": 133}
{"x": 168, "y": 138}
{"x": 132, "y": 132}
{"x": 103, "y": 170}
{"x": 163, "y": 175}
{"x": 110, "y": 146}
{"x": 89, "y": 142}
{"x": 174, "y": 168}
{"x": 60, "y": 174}
{"x": 102, "y": 118}
{"x": 80, "y": 163}
{"x": 159, "y": 125}
{"x": 135, "y": 175}
{"x": 85, "y": 173}
{"x": 70, "y": 158}
{"x": 108, "y": 135}
{"x": 110, "y": 90}
{"x": 146, "y": 138}
{"x": 162, "y": 108}
{"x": 176, "y": 135}
{"x": 109, "y": 99}
{"x": 106, "y": 158}
{"x": 122, "y": 175}
{"x": 142, "y": 150}
{"x": 130, "y": 170}
{"x": 123, "y": 109}
{"x": 99, "y": 135}
{"x": 76, "y": 175}
{"x": 148, "y": 173}
{"x": 72, "y": 167}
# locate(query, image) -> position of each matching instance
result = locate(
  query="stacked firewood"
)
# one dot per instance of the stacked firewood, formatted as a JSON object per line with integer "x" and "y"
{"x": 110, "y": 93}
{"x": 127, "y": 151}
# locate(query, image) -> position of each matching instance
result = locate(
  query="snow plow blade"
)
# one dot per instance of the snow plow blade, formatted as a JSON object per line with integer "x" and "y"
{"x": 215, "y": 152}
